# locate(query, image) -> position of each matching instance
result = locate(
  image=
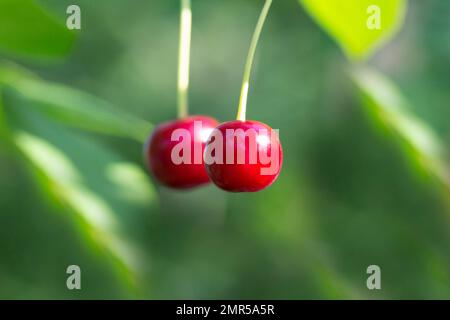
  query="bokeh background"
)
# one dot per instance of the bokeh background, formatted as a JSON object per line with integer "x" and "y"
{"x": 363, "y": 182}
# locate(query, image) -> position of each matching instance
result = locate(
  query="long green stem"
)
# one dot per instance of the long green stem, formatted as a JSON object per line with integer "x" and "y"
{"x": 248, "y": 66}
{"x": 183, "y": 57}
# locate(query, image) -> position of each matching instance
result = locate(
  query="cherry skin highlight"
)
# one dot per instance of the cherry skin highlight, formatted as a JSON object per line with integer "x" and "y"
{"x": 251, "y": 156}
{"x": 159, "y": 147}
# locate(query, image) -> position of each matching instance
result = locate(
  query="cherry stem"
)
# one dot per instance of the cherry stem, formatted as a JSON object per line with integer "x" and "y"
{"x": 183, "y": 57}
{"x": 248, "y": 66}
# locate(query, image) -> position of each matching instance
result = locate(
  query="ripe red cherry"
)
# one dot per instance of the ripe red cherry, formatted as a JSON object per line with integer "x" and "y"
{"x": 246, "y": 175}
{"x": 158, "y": 152}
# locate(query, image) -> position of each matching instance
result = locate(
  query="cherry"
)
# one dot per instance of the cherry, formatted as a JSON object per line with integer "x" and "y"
{"x": 252, "y": 140}
{"x": 158, "y": 152}
{"x": 242, "y": 155}
{"x": 171, "y": 166}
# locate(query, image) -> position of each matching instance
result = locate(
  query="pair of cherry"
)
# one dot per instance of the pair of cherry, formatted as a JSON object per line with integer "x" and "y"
{"x": 235, "y": 176}
{"x": 253, "y": 140}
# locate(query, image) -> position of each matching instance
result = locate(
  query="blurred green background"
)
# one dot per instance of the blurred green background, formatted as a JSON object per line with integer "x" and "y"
{"x": 365, "y": 178}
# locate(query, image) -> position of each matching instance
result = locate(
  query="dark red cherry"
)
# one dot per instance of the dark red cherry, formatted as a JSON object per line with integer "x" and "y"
{"x": 172, "y": 165}
{"x": 249, "y": 158}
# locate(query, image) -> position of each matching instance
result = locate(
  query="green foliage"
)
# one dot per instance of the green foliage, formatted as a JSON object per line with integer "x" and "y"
{"x": 73, "y": 107}
{"x": 388, "y": 107}
{"x": 346, "y": 22}
{"x": 101, "y": 191}
{"x": 26, "y": 29}
{"x": 84, "y": 177}
{"x": 79, "y": 174}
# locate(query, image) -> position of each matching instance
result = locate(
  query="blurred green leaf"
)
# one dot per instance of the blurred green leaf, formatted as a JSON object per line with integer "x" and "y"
{"x": 73, "y": 107}
{"x": 346, "y": 22}
{"x": 84, "y": 178}
{"x": 28, "y": 30}
{"x": 386, "y": 104}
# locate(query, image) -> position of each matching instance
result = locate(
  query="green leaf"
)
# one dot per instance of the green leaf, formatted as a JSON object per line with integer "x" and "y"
{"x": 73, "y": 107}
{"x": 347, "y": 22}
{"x": 101, "y": 189}
{"x": 28, "y": 30}
{"x": 388, "y": 107}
